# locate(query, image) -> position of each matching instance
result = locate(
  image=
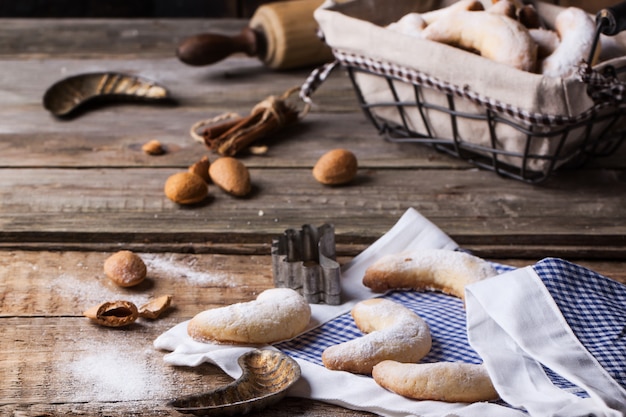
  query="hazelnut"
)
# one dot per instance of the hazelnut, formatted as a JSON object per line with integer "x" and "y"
{"x": 336, "y": 167}
{"x": 231, "y": 175}
{"x": 186, "y": 188}
{"x": 125, "y": 268}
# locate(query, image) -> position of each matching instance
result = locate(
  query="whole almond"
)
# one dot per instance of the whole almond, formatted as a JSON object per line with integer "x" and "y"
{"x": 186, "y": 188}
{"x": 336, "y": 167}
{"x": 231, "y": 175}
{"x": 153, "y": 147}
{"x": 201, "y": 169}
{"x": 125, "y": 268}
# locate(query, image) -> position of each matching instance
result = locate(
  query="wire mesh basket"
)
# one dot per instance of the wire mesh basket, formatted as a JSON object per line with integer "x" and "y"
{"x": 407, "y": 104}
{"x": 572, "y": 142}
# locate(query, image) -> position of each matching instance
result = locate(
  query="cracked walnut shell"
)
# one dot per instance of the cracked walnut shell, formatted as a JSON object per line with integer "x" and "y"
{"x": 113, "y": 313}
{"x": 155, "y": 307}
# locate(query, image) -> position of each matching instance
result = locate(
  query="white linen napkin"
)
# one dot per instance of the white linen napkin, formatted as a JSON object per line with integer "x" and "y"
{"x": 351, "y": 391}
{"x": 537, "y": 327}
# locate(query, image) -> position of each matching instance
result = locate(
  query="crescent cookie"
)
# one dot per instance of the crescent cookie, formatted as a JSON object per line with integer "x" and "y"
{"x": 492, "y": 35}
{"x": 440, "y": 381}
{"x": 434, "y": 269}
{"x": 276, "y": 314}
{"x": 413, "y": 23}
{"x": 576, "y": 30}
{"x": 393, "y": 332}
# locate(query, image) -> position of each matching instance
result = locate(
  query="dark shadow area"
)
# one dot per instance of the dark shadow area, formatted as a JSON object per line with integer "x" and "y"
{"x": 129, "y": 8}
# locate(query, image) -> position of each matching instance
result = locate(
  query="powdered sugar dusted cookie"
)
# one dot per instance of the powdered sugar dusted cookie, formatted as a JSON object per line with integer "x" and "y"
{"x": 277, "y": 314}
{"x": 393, "y": 332}
{"x": 576, "y": 30}
{"x": 434, "y": 269}
{"x": 494, "y": 36}
{"x": 441, "y": 381}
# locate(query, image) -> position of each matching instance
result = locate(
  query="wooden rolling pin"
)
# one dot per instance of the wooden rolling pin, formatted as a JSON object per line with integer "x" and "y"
{"x": 282, "y": 34}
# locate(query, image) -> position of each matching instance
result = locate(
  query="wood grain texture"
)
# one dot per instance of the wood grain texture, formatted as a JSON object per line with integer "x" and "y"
{"x": 56, "y": 362}
{"x": 81, "y": 38}
{"x": 107, "y": 205}
{"x": 120, "y": 185}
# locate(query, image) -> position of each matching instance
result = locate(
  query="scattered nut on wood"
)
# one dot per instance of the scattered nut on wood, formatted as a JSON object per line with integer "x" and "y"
{"x": 201, "y": 169}
{"x": 125, "y": 268}
{"x": 258, "y": 150}
{"x": 336, "y": 167}
{"x": 186, "y": 188}
{"x": 113, "y": 313}
{"x": 153, "y": 147}
{"x": 231, "y": 175}
{"x": 155, "y": 307}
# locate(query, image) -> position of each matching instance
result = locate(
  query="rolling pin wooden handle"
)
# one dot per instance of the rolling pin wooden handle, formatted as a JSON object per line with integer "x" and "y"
{"x": 209, "y": 48}
{"x": 612, "y": 20}
{"x": 282, "y": 34}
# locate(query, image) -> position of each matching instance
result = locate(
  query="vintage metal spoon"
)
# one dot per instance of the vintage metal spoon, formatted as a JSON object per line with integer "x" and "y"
{"x": 267, "y": 374}
{"x": 66, "y": 96}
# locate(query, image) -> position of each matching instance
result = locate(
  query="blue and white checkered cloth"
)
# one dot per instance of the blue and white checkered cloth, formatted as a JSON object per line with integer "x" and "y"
{"x": 552, "y": 338}
{"x": 444, "y": 314}
{"x": 594, "y": 307}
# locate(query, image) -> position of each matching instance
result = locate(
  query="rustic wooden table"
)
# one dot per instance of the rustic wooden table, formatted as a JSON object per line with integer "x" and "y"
{"x": 75, "y": 191}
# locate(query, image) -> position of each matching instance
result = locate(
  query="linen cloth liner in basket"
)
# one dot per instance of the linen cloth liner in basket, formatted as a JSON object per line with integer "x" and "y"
{"x": 356, "y": 32}
{"x": 562, "y": 386}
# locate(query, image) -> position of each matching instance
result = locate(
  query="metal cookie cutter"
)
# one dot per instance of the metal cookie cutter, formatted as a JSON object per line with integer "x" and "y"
{"x": 304, "y": 260}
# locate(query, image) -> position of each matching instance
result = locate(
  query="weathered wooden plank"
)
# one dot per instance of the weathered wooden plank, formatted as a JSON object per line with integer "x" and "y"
{"x": 296, "y": 147}
{"x": 56, "y": 362}
{"x": 89, "y": 143}
{"x": 113, "y": 135}
{"x": 288, "y": 407}
{"x": 34, "y": 38}
{"x": 66, "y": 366}
{"x": 234, "y": 85}
{"x": 64, "y": 284}
{"x": 111, "y": 205}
